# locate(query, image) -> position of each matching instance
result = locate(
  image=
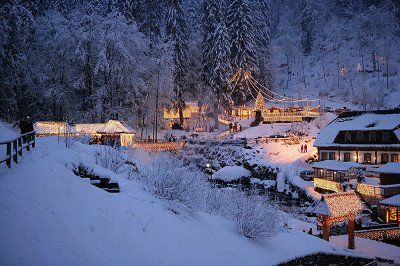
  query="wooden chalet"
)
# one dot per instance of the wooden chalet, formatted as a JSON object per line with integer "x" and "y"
{"x": 361, "y": 137}
{"x": 111, "y": 133}
{"x": 390, "y": 209}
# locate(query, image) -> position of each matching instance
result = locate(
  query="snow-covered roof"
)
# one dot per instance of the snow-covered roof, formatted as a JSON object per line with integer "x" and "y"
{"x": 392, "y": 201}
{"x": 358, "y": 121}
{"x": 336, "y": 165}
{"x": 87, "y": 128}
{"x": 231, "y": 173}
{"x": 339, "y": 204}
{"x": 49, "y": 127}
{"x": 114, "y": 126}
{"x": 389, "y": 168}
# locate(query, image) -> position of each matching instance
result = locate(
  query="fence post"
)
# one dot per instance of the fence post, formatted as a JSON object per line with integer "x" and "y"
{"x": 15, "y": 148}
{"x": 8, "y": 160}
{"x": 20, "y": 146}
{"x": 28, "y": 142}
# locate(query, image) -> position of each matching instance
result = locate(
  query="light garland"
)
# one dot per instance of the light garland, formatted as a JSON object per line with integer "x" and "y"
{"x": 379, "y": 234}
{"x": 328, "y": 185}
{"x": 158, "y": 146}
{"x": 369, "y": 190}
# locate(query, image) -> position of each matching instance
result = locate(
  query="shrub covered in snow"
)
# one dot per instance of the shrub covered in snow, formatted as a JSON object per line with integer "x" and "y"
{"x": 255, "y": 217}
{"x": 167, "y": 178}
{"x": 232, "y": 174}
{"x": 110, "y": 158}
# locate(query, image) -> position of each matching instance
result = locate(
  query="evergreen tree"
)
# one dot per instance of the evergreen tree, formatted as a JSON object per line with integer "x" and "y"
{"x": 177, "y": 34}
{"x": 307, "y": 25}
{"x": 241, "y": 31}
{"x": 260, "y": 10}
{"x": 220, "y": 66}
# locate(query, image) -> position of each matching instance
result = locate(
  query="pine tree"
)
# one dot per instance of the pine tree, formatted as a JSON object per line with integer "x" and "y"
{"x": 260, "y": 10}
{"x": 241, "y": 31}
{"x": 219, "y": 61}
{"x": 177, "y": 34}
{"x": 307, "y": 25}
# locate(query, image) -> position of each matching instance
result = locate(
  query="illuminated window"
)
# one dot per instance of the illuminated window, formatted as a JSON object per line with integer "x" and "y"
{"x": 346, "y": 157}
{"x": 385, "y": 136}
{"x": 367, "y": 157}
{"x": 394, "y": 157}
{"x": 324, "y": 156}
{"x": 332, "y": 156}
{"x": 384, "y": 158}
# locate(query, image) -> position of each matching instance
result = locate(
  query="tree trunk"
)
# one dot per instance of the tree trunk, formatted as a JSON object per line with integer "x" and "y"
{"x": 216, "y": 109}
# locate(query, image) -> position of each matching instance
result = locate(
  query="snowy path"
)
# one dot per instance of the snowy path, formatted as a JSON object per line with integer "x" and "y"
{"x": 50, "y": 216}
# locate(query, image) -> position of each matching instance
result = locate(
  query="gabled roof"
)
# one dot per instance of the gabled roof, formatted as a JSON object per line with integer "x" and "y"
{"x": 336, "y": 165}
{"x": 389, "y": 168}
{"x": 366, "y": 121}
{"x": 392, "y": 201}
{"x": 49, "y": 127}
{"x": 87, "y": 128}
{"x": 114, "y": 126}
{"x": 339, "y": 204}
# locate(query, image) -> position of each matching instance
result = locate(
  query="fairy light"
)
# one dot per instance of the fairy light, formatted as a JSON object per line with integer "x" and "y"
{"x": 327, "y": 184}
{"x": 379, "y": 234}
{"x": 158, "y": 146}
{"x": 369, "y": 190}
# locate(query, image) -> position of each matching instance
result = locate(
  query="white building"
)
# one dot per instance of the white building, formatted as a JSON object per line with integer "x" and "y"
{"x": 361, "y": 137}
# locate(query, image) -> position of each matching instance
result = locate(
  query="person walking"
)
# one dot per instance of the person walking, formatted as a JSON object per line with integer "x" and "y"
{"x": 302, "y": 148}
{"x": 305, "y": 148}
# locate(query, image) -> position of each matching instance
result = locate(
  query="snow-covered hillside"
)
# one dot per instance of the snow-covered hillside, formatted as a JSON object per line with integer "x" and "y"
{"x": 50, "y": 216}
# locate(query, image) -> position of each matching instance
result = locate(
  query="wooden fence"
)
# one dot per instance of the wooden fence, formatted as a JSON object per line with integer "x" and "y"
{"x": 14, "y": 147}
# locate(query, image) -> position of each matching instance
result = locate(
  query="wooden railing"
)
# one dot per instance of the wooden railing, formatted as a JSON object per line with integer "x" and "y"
{"x": 14, "y": 147}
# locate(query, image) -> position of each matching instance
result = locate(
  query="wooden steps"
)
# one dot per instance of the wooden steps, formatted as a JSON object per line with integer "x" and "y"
{"x": 104, "y": 183}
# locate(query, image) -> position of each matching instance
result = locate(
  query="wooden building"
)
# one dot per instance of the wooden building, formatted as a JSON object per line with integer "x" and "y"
{"x": 336, "y": 176}
{"x": 112, "y": 132}
{"x": 390, "y": 209}
{"x": 337, "y": 208}
{"x": 362, "y": 137}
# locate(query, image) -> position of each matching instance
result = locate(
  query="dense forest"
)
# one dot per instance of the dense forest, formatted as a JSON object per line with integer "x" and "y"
{"x": 90, "y": 61}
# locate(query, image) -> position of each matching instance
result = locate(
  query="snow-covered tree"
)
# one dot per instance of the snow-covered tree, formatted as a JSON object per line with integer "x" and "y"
{"x": 242, "y": 39}
{"x": 241, "y": 34}
{"x": 17, "y": 95}
{"x": 219, "y": 61}
{"x": 307, "y": 25}
{"x": 177, "y": 34}
{"x": 261, "y": 10}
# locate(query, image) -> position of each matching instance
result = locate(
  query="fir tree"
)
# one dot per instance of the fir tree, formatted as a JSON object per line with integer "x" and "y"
{"x": 177, "y": 35}
{"x": 307, "y": 25}
{"x": 220, "y": 66}
{"x": 241, "y": 31}
{"x": 260, "y": 10}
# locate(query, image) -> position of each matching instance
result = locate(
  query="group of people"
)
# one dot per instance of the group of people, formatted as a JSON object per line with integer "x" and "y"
{"x": 304, "y": 148}
{"x": 235, "y": 127}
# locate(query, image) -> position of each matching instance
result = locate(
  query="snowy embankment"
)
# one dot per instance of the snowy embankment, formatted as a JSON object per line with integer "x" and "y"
{"x": 50, "y": 216}
{"x": 6, "y": 133}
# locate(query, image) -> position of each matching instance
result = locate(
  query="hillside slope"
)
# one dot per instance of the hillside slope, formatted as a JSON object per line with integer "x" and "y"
{"x": 50, "y": 216}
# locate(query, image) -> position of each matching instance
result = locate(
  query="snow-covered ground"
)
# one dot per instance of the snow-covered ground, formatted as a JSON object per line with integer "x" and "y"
{"x": 50, "y": 216}
{"x": 371, "y": 247}
{"x": 7, "y": 132}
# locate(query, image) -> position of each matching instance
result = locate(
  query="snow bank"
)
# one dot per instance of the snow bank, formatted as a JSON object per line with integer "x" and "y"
{"x": 49, "y": 216}
{"x": 7, "y": 132}
{"x": 231, "y": 173}
{"x": 370, "y": 247}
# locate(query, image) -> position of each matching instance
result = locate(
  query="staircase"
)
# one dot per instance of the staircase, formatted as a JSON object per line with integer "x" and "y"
{"x": 103, "y": 183}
